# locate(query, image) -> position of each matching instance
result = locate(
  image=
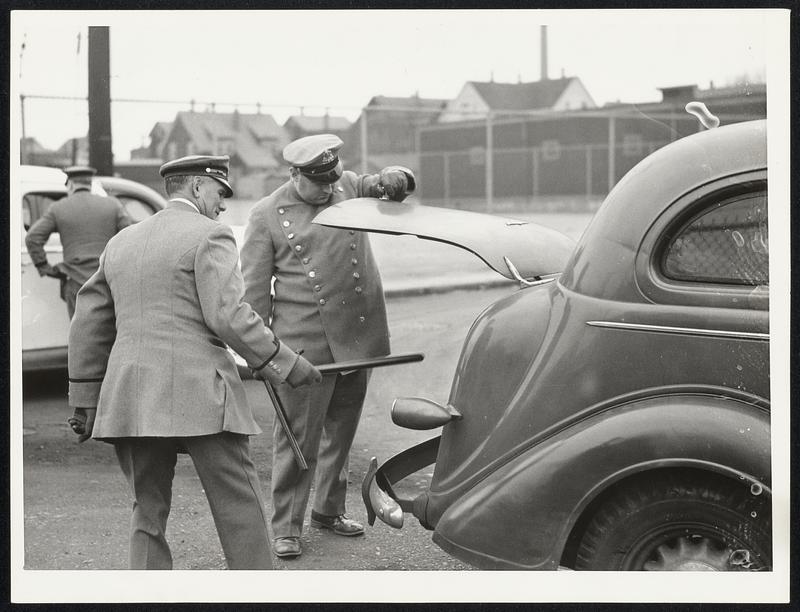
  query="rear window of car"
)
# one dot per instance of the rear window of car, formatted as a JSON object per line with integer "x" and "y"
{"x": 34, "y": 206}
{"x": 726, "y": 244}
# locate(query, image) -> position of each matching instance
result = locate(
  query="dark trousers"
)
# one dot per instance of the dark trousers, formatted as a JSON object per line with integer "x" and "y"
{"x": 69, "y": 293}
{"x": 324, "y": 419}
{"x": 231, "y": 485}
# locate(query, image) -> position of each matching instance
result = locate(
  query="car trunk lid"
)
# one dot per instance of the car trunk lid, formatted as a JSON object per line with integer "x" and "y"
{"x": 533, "y": 249}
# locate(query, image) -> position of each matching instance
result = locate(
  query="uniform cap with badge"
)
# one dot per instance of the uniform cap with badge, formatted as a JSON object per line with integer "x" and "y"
{"x": 77, "y": 172}
{"x": 316, "y": 157}
{"x": 212, "y": 166}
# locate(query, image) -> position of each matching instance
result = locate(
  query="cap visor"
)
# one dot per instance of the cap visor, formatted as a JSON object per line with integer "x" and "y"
{"x": 331, "y": 176}
{"x": 227, "y": 186}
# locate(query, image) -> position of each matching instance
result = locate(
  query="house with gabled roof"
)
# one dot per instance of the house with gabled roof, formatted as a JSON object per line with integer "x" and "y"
{"x": 158, "y": 137}
{"x": 253, "y": 141}
{"x": 298, "y": 126}
{"x": 477, "y": 99}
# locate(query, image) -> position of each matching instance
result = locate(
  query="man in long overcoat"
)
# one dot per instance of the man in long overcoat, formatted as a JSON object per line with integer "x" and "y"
{"x": 85, "y": 222}
{"x": 150, "y": 372}
{"x": 328, "y": 302}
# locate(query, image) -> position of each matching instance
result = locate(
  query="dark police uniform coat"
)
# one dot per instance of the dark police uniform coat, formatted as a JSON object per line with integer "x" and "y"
{"x": 328, "y": 297}
{"x": 86, "y": 222}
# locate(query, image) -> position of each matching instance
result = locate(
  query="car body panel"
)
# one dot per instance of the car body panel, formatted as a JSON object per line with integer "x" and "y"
{"x": 581, "y": 461}
{"x": 44, "y": 318}
{"x": 533, "y": 249}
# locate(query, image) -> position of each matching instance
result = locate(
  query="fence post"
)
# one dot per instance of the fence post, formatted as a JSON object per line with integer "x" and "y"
{"x": 489, "y": 163}
{"x": 446, "y": 171}
{"x": 364, "y": 151}
{"x": 588, "y": 171}
{"x": 612, "y": 171}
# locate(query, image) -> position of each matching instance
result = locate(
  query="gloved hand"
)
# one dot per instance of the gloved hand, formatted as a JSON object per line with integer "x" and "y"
{"x": 48, "y": 270}
{"x": 394, "y": 184}
{"x": 303, "y": 373}
{"x": 82, "y": 422}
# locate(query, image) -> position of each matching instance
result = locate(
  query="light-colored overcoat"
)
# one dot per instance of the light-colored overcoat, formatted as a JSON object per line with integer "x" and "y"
{"x": 328, "y": 297}
{"x": 147, "y": 345}
{"x": 85, "y": 222}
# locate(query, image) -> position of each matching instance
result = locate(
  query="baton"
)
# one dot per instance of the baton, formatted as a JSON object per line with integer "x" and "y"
{"x": 375, "y": 362}
{"x": 281, "y": 414}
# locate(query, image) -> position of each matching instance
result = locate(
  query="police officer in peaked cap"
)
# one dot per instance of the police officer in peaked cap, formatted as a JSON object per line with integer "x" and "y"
{"x": 328, "y": 302}
{"x": 85, "y": 222}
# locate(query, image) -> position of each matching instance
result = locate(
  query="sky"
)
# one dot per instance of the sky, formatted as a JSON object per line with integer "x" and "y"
{"x": 338, "y": 60}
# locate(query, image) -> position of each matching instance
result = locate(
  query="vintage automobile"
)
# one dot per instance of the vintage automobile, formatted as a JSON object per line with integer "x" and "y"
{"x": 613, "y": 413}
{"x": 45, "y": 324}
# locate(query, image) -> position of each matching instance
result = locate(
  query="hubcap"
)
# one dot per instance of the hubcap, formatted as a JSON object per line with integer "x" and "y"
{"x": 690, "y": 554}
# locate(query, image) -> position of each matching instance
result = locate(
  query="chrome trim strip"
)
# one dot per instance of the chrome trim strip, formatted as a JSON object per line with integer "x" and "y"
{"x": 693, "y": 331}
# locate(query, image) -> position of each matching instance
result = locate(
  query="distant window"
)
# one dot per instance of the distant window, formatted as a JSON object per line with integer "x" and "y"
{"x": 728, "y": 244}
{"x": 34, "y": 206}
{"x": 632, "y": 145}
{"x": 136, "y": 209}
{"x": 551, "y": 150}
{"x": 477, "y": 156}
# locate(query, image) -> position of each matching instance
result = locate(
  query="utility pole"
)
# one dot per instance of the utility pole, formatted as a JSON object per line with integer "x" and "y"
{"x": 100, "y": 155}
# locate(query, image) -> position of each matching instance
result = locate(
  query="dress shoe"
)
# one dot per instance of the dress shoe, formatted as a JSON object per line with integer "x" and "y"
{"x": 286, "y": 547}
{"x": 340, "y": 525}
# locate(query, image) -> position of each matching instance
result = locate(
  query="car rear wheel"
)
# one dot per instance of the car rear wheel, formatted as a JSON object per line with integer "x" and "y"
{"x": 669, "y": 524}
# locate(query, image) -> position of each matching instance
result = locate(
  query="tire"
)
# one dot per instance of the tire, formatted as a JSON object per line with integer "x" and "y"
{"x": 673, "y": 522}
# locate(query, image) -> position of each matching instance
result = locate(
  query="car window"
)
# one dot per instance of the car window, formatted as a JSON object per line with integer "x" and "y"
{"x": 727, "y": 244}
{"x": 34, "y": 206}
{"x": 137, "y": 209}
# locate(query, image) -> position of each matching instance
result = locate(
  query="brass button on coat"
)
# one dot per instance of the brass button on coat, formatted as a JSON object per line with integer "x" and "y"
{"x": 356, "y": 275}
{"x": 359, "y": 289}
{"x": 298, "y": 248}
{"x": 306, "y": 260}
{"x": 317, "y": 287}
{"x": 290, "y": 236}
{"x": 281, "y": 211}
{"x": 312, "y": 274}
{"x": 354, "y": 261}
{"x": 286, "y": 224}
{"x": 322, "y": 302}
{"x": 353, "y": 246}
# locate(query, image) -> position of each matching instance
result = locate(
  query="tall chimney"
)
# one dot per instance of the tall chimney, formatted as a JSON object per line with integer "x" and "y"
{"x": 543, "y": 38}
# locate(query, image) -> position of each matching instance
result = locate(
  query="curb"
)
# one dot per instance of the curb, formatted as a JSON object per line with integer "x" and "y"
{"x": 399, "y": 290}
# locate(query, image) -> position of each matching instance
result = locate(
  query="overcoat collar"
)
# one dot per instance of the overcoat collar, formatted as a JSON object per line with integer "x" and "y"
{"x": 188, "y": 203}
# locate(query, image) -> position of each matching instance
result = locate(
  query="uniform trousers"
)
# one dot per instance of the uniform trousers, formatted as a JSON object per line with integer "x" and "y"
{"x": 69, "y": 293}
{"x": 231, "y": 485}
{"x": 324, "y": 419}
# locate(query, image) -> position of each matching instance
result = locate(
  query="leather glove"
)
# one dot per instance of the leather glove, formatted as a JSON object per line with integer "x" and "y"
{"x": 48, "y": 270}
{"x": 303, "y": 373}
{"x": 82, "y": 422}
{"x": 393, "y": 183}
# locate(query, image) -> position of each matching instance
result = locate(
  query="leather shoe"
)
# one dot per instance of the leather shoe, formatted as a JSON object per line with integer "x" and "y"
{"x": 340, "y": 525}
{"x": 286, "y": 547}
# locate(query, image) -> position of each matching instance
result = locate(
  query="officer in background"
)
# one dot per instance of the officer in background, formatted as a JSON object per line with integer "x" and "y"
{"x": 149, "y": 369}
{"x": 85, "y": 222}
{"x": 328, "y": 302}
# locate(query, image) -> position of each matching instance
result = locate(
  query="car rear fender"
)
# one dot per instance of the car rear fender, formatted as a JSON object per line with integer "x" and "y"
{"x": 521, "y": 515}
